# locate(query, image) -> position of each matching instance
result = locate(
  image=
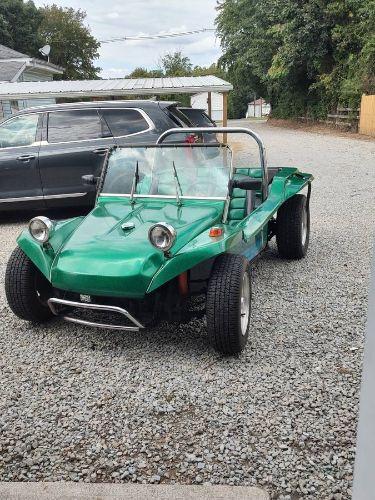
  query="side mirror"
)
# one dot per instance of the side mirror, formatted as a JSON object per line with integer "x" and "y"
{"x": 246, "y": 183}
{"x": 89, "y": 180}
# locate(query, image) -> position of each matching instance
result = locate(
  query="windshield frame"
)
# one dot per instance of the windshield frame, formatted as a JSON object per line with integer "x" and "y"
{"x": 160, "y": 196}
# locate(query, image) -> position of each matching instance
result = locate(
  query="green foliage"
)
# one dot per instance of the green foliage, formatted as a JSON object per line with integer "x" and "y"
{"x": 25, "y": 28}
{"x": 72, "y": 45}
{"x": 306, "y": 57}
{"x": 213, "y": 69}
{"x": 176, "y": 64}
{"x": 145, "y": 73}
{"x": 19, "y": 23}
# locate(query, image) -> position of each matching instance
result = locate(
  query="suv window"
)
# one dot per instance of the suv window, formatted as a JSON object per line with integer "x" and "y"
{"x": 19, "y": 131}
{"x": 179, "y": 118}
{"x": 198, "y": 117}
{"x": 75, "y": 125}
{"x": 124, "y": 121}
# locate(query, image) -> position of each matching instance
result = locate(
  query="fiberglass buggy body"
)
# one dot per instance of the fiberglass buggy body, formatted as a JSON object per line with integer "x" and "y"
{"x": 171, "y": 222}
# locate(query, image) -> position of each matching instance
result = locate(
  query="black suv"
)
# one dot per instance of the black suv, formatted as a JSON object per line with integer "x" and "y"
{"x": 44, "y": 151}
{"x": 198, "y": 117}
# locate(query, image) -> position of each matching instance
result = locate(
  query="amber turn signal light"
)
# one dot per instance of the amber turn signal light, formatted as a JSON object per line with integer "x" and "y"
{"x": 215, "y": 232}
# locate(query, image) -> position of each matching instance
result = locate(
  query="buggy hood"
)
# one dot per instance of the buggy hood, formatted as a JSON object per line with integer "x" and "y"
{"x": 101, "y": 258}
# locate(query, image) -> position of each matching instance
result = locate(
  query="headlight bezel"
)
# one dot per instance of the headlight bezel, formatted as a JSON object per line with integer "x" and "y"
{"x": 48, "y": 228}
{"x": 169, "y": 230}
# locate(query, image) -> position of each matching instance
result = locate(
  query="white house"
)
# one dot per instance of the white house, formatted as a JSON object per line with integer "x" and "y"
{"x": 258, "y": 108}
{"x": 200, "y": 101}
{"x": 18, "y": 67}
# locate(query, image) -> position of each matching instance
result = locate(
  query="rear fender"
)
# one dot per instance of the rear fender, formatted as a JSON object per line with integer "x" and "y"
{"x": 285, "y": 184}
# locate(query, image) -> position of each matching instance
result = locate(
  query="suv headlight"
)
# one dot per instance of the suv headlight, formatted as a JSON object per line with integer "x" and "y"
{"x": 41, "y": 229}
{"x": 162, "y": 236}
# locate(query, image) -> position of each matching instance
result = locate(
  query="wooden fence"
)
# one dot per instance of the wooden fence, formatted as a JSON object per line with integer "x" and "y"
{"x": 367, "y": 120}
{"x": 345, "y": 118}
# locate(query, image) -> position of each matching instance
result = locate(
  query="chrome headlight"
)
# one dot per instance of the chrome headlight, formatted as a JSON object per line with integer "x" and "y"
{"x": 162, "y": 236}
{"x": 41, "y": 229}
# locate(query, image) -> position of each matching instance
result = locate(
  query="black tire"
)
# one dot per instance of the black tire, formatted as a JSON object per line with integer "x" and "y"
{"x": 223, "y": 304}
{"x": 293, "y": 227}
{"x": 26, "y": 289}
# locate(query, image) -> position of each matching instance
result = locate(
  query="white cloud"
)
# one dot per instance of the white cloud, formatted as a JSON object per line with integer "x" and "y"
{"x": 114, "y": 72}
{"x": 113, "y": 15}
{"x": 135, "y": 17}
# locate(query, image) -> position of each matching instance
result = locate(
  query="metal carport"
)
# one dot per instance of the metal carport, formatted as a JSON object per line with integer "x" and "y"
{"x": 95, "y": 89}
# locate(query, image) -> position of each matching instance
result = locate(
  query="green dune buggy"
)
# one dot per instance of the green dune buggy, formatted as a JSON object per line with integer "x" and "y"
{"x": 172, "y": 223}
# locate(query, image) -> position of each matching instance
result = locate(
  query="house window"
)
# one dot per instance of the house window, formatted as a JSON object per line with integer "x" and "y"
{"x": 14, "y": 106}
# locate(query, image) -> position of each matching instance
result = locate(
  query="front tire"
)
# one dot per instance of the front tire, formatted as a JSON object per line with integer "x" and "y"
{"x": 26, "y": 289}
{"x": 293, "y": 227}
{"x": 228, "y": 304}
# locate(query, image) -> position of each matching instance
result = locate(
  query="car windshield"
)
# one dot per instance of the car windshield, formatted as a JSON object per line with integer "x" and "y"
{"x": 169, "y": 171}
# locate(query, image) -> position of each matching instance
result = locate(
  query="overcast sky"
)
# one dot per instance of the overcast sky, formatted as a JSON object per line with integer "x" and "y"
{"x": 112, "y": 18}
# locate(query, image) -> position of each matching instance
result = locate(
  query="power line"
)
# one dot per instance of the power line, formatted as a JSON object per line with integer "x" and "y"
{"x": 156, "y": 36}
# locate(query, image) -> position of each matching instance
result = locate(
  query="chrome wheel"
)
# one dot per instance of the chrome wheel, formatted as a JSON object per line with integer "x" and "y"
{"x": 304, "y": 227}
{"x": 245, "y": 303}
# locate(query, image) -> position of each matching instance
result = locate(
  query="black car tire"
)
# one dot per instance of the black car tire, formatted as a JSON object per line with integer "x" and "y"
{"x": 230, "y": 277}
{"x": 26, "y": 289}
{"x": 293, "y": 227}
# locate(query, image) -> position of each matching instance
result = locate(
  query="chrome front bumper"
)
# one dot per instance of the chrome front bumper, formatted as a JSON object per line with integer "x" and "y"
{"x": 94, "y": 307}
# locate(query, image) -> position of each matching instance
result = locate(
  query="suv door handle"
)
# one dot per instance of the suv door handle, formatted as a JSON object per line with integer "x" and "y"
{"x": 26, "y": 158}
{"x": 100, "y": 151}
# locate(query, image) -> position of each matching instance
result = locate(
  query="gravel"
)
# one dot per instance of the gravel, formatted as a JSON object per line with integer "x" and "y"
{"x": 162, "y": 407}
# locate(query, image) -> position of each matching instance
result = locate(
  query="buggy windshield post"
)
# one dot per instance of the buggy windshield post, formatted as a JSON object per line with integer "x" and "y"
{"x": 227, "y": 130}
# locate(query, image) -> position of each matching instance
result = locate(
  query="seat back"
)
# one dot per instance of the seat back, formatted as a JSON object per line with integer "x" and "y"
{"x": 240, "y": 205}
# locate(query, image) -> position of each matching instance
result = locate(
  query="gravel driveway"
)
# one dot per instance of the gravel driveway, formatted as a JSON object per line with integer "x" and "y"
{"x": 161, "y": 406}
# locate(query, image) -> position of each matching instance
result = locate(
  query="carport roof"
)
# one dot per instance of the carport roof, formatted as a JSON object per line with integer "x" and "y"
{"x": 103, "y": 88}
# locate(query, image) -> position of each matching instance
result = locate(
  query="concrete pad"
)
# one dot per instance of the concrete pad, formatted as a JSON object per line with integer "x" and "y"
{"x": 101, "y": 491}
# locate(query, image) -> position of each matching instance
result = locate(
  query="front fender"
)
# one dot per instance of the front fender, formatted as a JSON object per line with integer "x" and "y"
{"x": 198, "y": 250}
{"x": 43, "y": 255}
{"x": 239, "y": 238}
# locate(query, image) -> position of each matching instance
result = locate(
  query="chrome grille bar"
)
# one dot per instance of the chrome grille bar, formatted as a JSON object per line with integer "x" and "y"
{"x": 94, "y": 307}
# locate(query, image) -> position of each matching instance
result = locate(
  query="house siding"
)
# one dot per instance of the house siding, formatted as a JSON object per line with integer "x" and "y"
{"x": 32, "y": 75}
{"x": 199, "y": 101}
{"x": 29, "y": 75}
{"x": 5, "y": 109}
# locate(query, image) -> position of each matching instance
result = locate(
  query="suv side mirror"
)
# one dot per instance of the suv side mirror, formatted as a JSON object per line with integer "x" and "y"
{"x": 246, "y": 183}
{"x": 89, "y": 180}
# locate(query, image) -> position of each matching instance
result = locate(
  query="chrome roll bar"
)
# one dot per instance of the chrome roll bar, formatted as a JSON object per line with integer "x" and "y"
{"x": 227, "y": 130}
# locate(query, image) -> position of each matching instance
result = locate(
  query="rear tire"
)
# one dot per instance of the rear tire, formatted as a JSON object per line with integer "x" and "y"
{"x": 26, "y": 289}
{"x": 228, "y": 304}
{"x": 293, "y": 227}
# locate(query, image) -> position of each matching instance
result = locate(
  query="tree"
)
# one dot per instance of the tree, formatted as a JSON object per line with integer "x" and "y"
{"x": 306, "y": 56}
{"x": 176, "y": 64}
{"x": 145, "y": 73}
{"x": 72, "y": 45}
{"x": 213, "y": 69}
{"x": 19, "y": 24}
